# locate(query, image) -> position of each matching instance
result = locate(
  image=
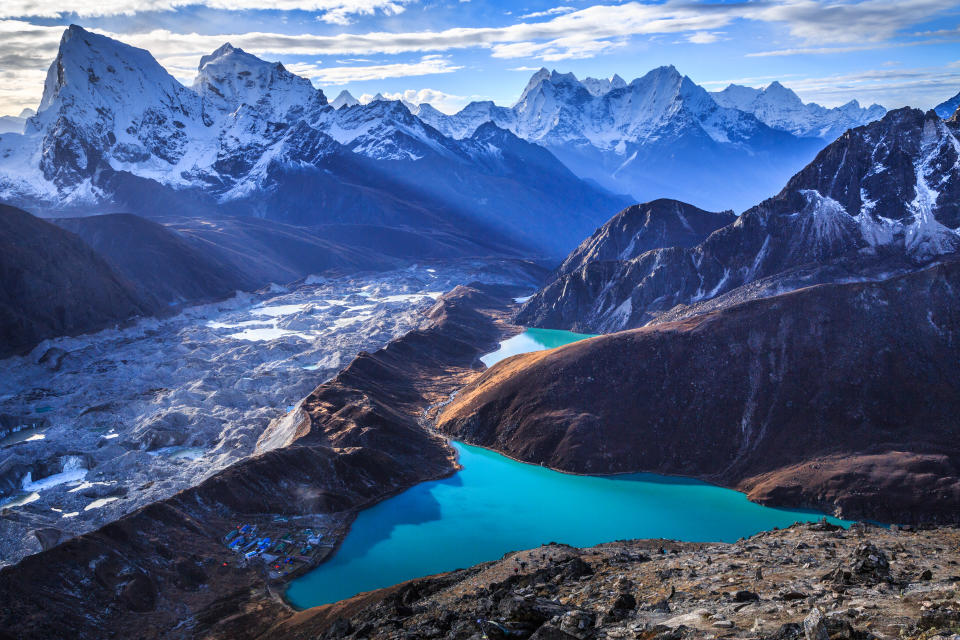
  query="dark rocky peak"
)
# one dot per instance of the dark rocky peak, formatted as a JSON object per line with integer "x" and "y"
{"x": 901, "y": 168}
{"x": 948, "y": 107}
{"x": 647, "y": 226}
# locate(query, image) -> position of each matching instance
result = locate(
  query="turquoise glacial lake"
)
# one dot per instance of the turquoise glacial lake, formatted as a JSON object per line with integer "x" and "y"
{"x": 495, "y": 505}
{"x": 532, "y": 340}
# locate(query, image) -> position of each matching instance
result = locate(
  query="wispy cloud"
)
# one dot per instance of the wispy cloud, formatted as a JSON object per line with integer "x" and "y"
{"x": 845, "y": 21}
{"x": 816, "y": 27}
{"x": 579, "y": 33}
{"x": 427, "y": 65}
{"x": 817, "y": 51}
{"x": 703, "y": 37}
{"x": 446, "y": 102}
{"x": 549, "y": 12}
{"x": 332, "y": 11}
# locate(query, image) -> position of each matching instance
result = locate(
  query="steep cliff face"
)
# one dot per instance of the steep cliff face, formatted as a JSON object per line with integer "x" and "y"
{"x": 838, "y": 397}
{"x": 52, "y": 284}
{"x": 881, "y": 199}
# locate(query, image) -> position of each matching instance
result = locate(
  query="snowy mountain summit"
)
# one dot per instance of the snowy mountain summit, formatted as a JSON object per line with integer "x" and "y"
{"x": 230, "y": 78}
{"x": 345, "y": 99}
{"x": 781, "y": 108}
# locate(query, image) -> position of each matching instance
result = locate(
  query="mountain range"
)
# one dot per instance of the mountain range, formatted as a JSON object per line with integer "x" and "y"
{"x": 881, "y": 199}
{"x": 15, "y": 124}
{"x": 802, "y": 353}
{"x": 662, "y": 135}
{"x": 251, "y": 138}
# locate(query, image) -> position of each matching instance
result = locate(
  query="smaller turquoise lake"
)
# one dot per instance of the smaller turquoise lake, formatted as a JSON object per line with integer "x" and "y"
{"x": 532, "y": 340}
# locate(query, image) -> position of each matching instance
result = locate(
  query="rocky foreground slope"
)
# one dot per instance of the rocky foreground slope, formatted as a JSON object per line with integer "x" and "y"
{"x": 837, "y": 397}
{"x": 808, "y": 581}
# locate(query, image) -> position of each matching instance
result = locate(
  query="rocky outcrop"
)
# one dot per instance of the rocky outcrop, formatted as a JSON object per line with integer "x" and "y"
{"x": 162, "y": 571}
{"x": 835, "y": 397}
{"x": 882, "y": 199}
{"x": 771, "y": 586}
{"x": 52, "y": 284}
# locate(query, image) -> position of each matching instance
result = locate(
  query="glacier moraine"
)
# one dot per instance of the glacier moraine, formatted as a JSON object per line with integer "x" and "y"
{"x": 133, "y": 415}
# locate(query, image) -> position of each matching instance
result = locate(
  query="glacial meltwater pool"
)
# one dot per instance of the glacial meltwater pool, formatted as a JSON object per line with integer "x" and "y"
{"x": 495, "y": 505}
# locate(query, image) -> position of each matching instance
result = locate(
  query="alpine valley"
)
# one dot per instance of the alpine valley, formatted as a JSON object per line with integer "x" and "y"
{"x": 278, "y": 367}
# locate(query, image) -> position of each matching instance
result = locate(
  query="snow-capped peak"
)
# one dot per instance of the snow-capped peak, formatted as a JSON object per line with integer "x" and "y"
{"x": 777, "y": 93}
{"x": 536, "y": 80}
{"x": 106, "y": 100}
{"x": 602, "y": 86}
{"x": 781, "y": 108}
{"x": 345, "y": 99}
{"x": 427, "y": 111}
{"x": 230, "y": 77}
{"x": 109, "y": 72}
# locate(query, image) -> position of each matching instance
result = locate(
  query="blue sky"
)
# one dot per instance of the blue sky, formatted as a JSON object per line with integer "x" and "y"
{"x": 449, "y": 52}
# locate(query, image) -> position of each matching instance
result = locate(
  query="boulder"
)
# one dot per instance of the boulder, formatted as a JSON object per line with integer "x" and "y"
{"x": 814, "y": 626}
